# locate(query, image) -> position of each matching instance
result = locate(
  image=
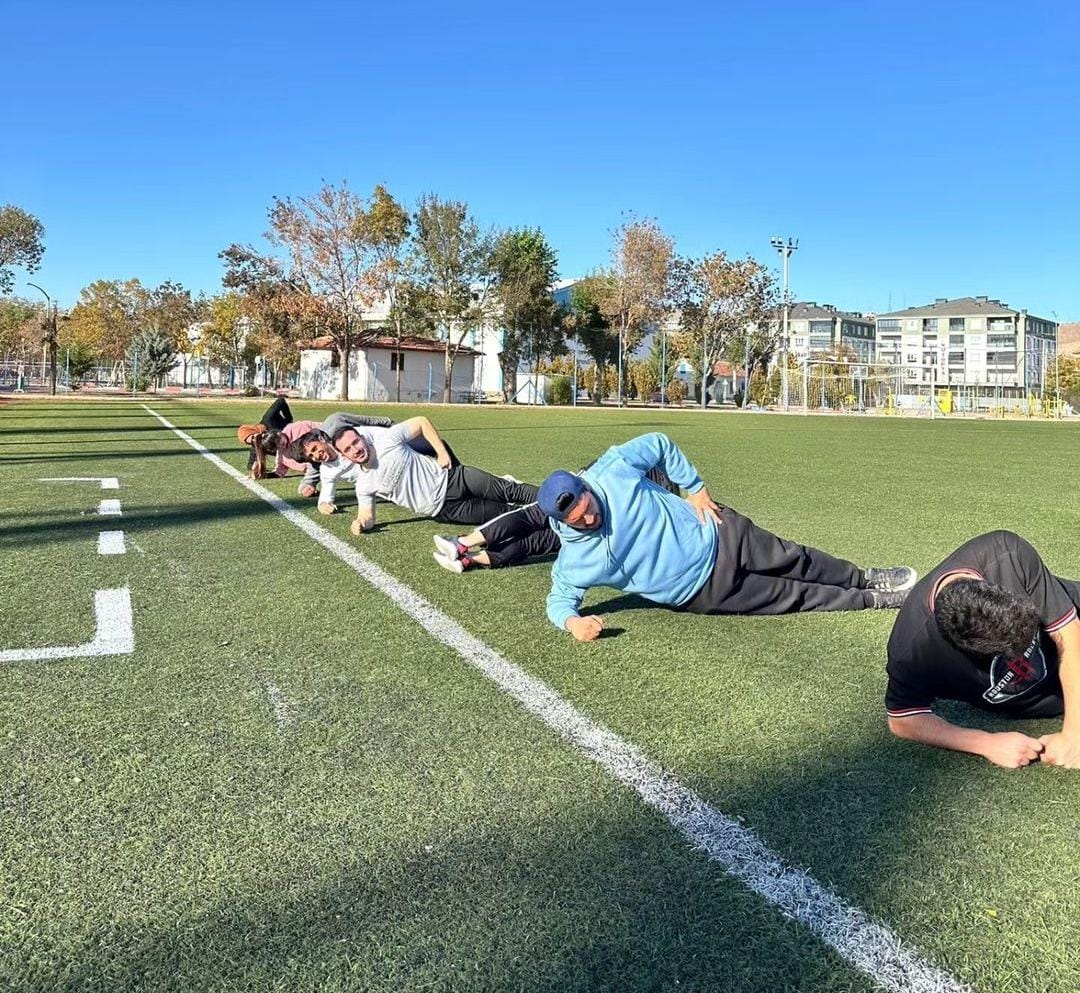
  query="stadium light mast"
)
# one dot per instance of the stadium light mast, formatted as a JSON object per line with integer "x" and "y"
{"x": 785, "y": 248}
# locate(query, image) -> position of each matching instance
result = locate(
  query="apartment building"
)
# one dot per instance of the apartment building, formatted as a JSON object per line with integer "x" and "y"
{"x": 817, "y": 330}
{"x": 969, "y": 341}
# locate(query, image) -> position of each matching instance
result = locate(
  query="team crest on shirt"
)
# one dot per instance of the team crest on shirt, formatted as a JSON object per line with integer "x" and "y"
{"x": 1013, "y": 676}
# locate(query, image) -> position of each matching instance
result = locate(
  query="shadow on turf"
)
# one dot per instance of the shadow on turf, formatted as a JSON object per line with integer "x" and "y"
{"x": 45, "y": 459}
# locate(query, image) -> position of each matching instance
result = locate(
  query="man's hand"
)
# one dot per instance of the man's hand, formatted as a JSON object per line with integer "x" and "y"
{"x": 443, "y": 458}
{"x": 1011, "y": 749}
{"x": 307, "y": 491}
{"x": 327, "y": 509}
{"x": 358, "y": 526}
{"x": 1060, "y": 749}
{"x": 585, "y": 628}
{"x": 704, "y": 505}
{"x": 258, "y": 471}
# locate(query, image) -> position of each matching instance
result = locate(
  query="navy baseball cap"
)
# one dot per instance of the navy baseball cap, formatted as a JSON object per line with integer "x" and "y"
{"x": 559, "y": 492}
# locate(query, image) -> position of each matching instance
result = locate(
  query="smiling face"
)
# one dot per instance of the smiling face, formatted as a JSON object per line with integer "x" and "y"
{"x": 354, "y": 446}
{"x": 585, "y": 515}
{"x": 318, "y": 452}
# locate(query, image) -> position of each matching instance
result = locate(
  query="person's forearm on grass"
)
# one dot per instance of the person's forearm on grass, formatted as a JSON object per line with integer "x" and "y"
{"x": 1010, "y": 749}
{"x": 1063, "y": 747}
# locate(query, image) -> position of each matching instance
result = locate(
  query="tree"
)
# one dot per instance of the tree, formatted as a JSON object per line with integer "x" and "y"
{"x": 718, "y": 299}
{"x": 385, "y": 227}
{"x": 171, "y": 310}
{"x": 80, "y": 359}
{"x": 225, "y": 333}
{"x": 453, "y": 266}
{"x": 108, "y": 316}
{"x": 637, "y": 284}
{"x": 526, "y": 268}
{"x": 585, "y": 322}
{"x": 21, "y": 243}
{"x": 151, "y": 357}
{"x": 329, "y": 272}
{"x": 19, "y": 327}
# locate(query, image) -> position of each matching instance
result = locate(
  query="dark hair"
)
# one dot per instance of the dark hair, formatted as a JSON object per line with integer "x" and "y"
{"x": 271, "y": 441}
{"x": 295, "y": 450}
{"x": 341, "y": 430}
{"x": 981, "y": 619}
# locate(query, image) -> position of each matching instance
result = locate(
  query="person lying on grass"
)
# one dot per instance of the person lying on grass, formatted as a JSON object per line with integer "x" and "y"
{"x": 619, "y": 529}
{"x": 992, "y": 627}
{"x": 277, "y": 430}
{"x": 381, "y": 462}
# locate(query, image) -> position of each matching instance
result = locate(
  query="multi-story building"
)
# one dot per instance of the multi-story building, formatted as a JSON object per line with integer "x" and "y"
{"x": 970, "y": 341}
{"x": 820, "y": 330}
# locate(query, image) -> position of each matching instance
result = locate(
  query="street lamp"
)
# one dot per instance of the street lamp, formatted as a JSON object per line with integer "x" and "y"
{"x": 50, "y": 335}
{"x": 785, "y": 249}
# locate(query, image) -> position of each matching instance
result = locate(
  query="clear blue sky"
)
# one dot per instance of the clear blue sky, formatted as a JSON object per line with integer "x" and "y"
{"x": 916, "y": 150}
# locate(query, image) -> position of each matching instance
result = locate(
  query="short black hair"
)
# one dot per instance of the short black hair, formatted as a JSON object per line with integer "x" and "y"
{"x": 341, "y": 430}
{"x": 981, "y": 619}
{"x": 271, "y": 441}
{"x": 295, "y": 450}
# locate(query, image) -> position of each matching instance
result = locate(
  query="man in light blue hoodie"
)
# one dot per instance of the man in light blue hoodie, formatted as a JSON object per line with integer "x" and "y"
{"x": 619, "y": 529}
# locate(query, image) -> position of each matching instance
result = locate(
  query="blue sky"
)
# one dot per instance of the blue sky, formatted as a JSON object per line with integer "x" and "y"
{"x": 916, "y": 150}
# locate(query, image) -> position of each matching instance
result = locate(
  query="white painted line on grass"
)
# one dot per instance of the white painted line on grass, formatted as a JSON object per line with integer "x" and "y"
{"x": 280, "y": 707}
{"x": 109, "y": 508}
{"x": 111, "y": 543}
{"x": 114, "y": 633}
{"x": 107, "y": 482}
{"x": 867, "y": 944}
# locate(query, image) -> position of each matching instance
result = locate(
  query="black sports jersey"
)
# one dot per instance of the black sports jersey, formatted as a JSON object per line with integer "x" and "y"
{"x": 924, "y": 667}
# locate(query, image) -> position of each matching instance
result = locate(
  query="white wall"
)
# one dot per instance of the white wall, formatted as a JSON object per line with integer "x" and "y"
{"x": 372, "y": 379}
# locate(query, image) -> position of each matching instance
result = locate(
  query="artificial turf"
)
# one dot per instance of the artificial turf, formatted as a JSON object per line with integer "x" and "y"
{"x": 393, "y": 823}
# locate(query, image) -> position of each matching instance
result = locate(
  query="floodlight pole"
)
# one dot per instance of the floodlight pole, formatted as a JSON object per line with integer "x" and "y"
{"x": 785, "y": 249}
{"x": 50, "y": 339}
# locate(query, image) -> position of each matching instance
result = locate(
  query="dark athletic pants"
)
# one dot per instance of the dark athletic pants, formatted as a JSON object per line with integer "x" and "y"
{"x": 526, "y": 532}
{"x": 474, "y": 496}
{"x": 758, "y": 573}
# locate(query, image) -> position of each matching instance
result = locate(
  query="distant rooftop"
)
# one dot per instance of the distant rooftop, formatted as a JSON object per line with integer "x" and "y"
{"x": 809, "y": 310}
{"x": 960, "y": 307}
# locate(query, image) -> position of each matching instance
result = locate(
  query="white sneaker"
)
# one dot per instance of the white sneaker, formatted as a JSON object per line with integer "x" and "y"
{"x": 449, "y": 564}
{"x": 448, "y": 545}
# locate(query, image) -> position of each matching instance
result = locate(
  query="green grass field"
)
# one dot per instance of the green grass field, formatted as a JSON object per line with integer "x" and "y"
{"x": 291, "y": 786}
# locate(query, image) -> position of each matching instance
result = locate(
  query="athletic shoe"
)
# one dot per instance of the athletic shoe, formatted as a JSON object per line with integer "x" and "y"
{"x": 893, "y": 580}
{"x": 449, "y": 564}
{"x": 448, "y": 545}
{"x": 886, "y": 599}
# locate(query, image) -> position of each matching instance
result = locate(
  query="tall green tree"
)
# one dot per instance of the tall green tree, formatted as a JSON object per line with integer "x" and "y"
{"x": 151, "y": 356}
{"x": 22, "y": 243}
{"x": 108, "y": 316}
{"x": 586, "y": 322}
{"x": 171, "y": 309}
{"x": 719, "y": 302}
{"x": 385, "y": 225}
{"x": 526, "y": 268}
{"x": 226, "y": 334}
{"x": 20, "y": 330}
{"x": 453, "y": 265}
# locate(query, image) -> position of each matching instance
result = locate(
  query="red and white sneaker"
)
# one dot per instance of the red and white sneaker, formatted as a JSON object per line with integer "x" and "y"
{"x": 452, "y": 565}
{"x": 449, "y": 546}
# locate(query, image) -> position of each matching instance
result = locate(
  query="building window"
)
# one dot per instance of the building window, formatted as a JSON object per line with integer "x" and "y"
{"x": 397, "y": 361}
{"x": 956, "y": 324}
{"x": 888, "y": 324}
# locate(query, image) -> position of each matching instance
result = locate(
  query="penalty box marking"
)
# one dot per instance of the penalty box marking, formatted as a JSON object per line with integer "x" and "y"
{"x": 866, "y": 943}
{"x": 114, "y": 633}
{"x": 107, "y": 482}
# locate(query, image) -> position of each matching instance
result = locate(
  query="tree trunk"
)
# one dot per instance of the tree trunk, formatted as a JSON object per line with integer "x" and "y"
{"x": 343, "y": 359}
{"x": 449, "y": 372}
{"x": 397, "y": 379}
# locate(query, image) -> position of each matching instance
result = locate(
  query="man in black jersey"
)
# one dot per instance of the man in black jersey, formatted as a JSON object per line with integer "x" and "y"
{"x": 990, "y": 626}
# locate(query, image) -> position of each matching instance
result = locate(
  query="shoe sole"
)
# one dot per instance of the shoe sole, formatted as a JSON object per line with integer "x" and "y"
{"x": 450, "y": 565}
{"x": 445, "y": 547}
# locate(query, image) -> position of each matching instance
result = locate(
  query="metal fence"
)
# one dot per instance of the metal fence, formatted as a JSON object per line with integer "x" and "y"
{"x": 911, "y": 391}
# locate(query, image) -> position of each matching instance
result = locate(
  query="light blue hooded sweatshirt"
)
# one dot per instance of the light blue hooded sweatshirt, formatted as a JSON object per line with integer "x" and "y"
{"x": 650, "y": 541}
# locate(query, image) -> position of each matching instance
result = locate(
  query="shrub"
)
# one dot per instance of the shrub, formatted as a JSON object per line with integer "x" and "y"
{"x": 676, "y": 392}
{"x": 562, "y": 390}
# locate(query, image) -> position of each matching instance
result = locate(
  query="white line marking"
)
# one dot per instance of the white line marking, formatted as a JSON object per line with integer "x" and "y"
{"x": 109, "y": 508}
{"x": 864, "y": 942}
{"x": 279, "y": 705}
{"x": 114, "y": 633}
{"x": 111, "y": 543}
{"x": 107, "y": 482}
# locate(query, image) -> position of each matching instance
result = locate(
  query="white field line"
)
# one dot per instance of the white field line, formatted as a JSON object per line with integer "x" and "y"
{"x": 111, "y": 543}
{"x": 279, "y": 705}
{"x": 114, "y": 633}
{"x": 109, "y": 508}
{"x": 865, "y": 943}
{"x": 107, "y": 482}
